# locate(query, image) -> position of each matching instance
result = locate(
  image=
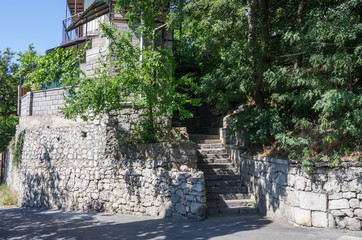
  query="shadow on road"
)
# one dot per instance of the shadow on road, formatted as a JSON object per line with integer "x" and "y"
{"x": 20, "y": 223}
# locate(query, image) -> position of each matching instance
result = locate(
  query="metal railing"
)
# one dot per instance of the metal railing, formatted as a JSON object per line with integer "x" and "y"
{"x": 90, "y": 26}
{"x": 75, "y": 33}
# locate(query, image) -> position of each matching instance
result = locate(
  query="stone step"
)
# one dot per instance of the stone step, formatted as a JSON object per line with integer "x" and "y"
{"x": 213, "y": 160}
{"x": 225, "y": 165}
{"x": 207, "y": 141}
{"x": 212, "y": 156}
{"x": 196, "y": 137}
{"x": 223, "y": 183}
{"x": 219, "y": 171}
{"x": 201, "y": 130}
{"x": 231, "y": 203}
{"x": 210, "y": 145}
{"x": 227, "y": 196}
{"x": 226, "y": 211}
{"x": 223, "y": 177}
{"x": 217, "y": 151}
{"x": 226, "y": 189}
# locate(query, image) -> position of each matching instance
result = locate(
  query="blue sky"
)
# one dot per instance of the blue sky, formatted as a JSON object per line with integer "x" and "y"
{"x": 23, "y": 22}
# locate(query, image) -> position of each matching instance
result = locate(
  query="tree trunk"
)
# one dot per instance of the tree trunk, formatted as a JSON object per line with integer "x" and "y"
{"x": 258, "y": 44}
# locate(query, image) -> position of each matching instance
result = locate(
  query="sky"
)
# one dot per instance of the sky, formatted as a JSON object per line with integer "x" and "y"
{"x": 23, "y": 22}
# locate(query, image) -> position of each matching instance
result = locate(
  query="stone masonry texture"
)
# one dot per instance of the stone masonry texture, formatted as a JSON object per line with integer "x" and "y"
{"x": 86, "y": 166}
{"x": 328, "y": 198}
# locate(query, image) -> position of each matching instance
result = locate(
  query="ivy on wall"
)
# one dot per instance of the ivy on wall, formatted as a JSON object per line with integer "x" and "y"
{"x": 18, "y": 151}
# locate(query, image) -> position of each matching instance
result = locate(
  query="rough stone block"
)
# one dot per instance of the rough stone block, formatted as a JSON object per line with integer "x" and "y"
{"x": 303, "y": 217}
{"x": 180, "y": 209}
{"x": 313, "y": 201}
{"x": 287, "y": 212}
{"x": 197, "y": 208}
{"x": 320, "y": 219}
{"x": 292, "y": 198}
{"x": 337, "y": 213}
{"x": 347, "y": 212}
{"x": 340, "y": 223}
{"x": 338, "y": 204}
{"x": 354, "y": 203}
{"x": 335, "y": 196}
{"x": 349, "y": 195}
{"x": 300, "y": 183}
{"x": 353, "y": 224}
{"x": 331, "y": 221}
{"x": 291, "y": 180}
{"x": 332, "y": 186}
{"x": 358, "y": 213}
{"x": 152, "y": 211}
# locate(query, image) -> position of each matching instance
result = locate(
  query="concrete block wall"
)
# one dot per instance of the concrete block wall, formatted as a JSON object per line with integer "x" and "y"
{"x": 41, "y": 103}
{"x": 99, "y": 48}
{"x": 25, "y": 105}
{"x": 48, "y": 102}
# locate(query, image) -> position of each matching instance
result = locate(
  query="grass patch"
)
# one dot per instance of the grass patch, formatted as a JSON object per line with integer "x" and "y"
{"x": 7, "y": 196}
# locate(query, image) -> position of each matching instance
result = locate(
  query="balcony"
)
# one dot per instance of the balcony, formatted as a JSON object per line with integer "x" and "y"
{"x": 85, "y": 25}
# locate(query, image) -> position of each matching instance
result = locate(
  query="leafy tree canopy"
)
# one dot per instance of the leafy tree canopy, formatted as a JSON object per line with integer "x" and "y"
{"x": 148, "y": 84}
{"x": 295, "y": 66}
{"x": 9, "y": 80}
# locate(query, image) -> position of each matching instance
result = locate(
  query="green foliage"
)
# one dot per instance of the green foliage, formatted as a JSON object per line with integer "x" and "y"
{"x": 18, "y": 151}
{"x": 61, "y": 65}
{"x": 306, "y": 59}
{"x": 148, "y": 10}
{"x": 9, "y": 80}
{"x": 308, "y": 166}
{"x": 148, "y": 85}
{"x": 7, "y": 197}
{"x": 294, "y": 65}
{"x": 257, "y": 124}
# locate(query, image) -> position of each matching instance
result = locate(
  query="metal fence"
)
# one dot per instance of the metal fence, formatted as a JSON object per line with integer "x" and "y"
{"x": 75, "y": 33}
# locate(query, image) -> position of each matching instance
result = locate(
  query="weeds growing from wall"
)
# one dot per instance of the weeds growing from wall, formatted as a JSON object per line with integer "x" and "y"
{"x": 7, "y": 196}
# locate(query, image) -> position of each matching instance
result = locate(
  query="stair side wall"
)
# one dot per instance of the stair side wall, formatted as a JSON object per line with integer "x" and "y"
{"x": 330, "y": 198}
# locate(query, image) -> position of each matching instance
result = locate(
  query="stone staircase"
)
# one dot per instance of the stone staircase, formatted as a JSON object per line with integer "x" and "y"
{"x": 225, "y": 194}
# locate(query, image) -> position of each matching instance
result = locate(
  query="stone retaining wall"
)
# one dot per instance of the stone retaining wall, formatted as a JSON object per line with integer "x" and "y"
{"x": 331, "y": 198}
{"x": 82, "y": 166}
{"x": 11, "y": 172}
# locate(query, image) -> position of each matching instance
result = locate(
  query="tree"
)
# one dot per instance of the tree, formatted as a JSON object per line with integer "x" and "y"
{"x": 8, "y": 97}
{"x": 294, "y": 66}
{"x": 149, "y": 84}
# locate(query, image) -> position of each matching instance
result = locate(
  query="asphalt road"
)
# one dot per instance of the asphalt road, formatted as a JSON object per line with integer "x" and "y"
{"x": 19, "y": 223}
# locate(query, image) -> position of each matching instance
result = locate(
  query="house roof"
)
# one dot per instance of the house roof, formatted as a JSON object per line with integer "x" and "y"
{"x": 73, "y": 9}
{"x": 71, "y": 43}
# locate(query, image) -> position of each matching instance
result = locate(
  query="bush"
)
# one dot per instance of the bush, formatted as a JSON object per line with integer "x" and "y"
{"x": 258, "y": 125}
